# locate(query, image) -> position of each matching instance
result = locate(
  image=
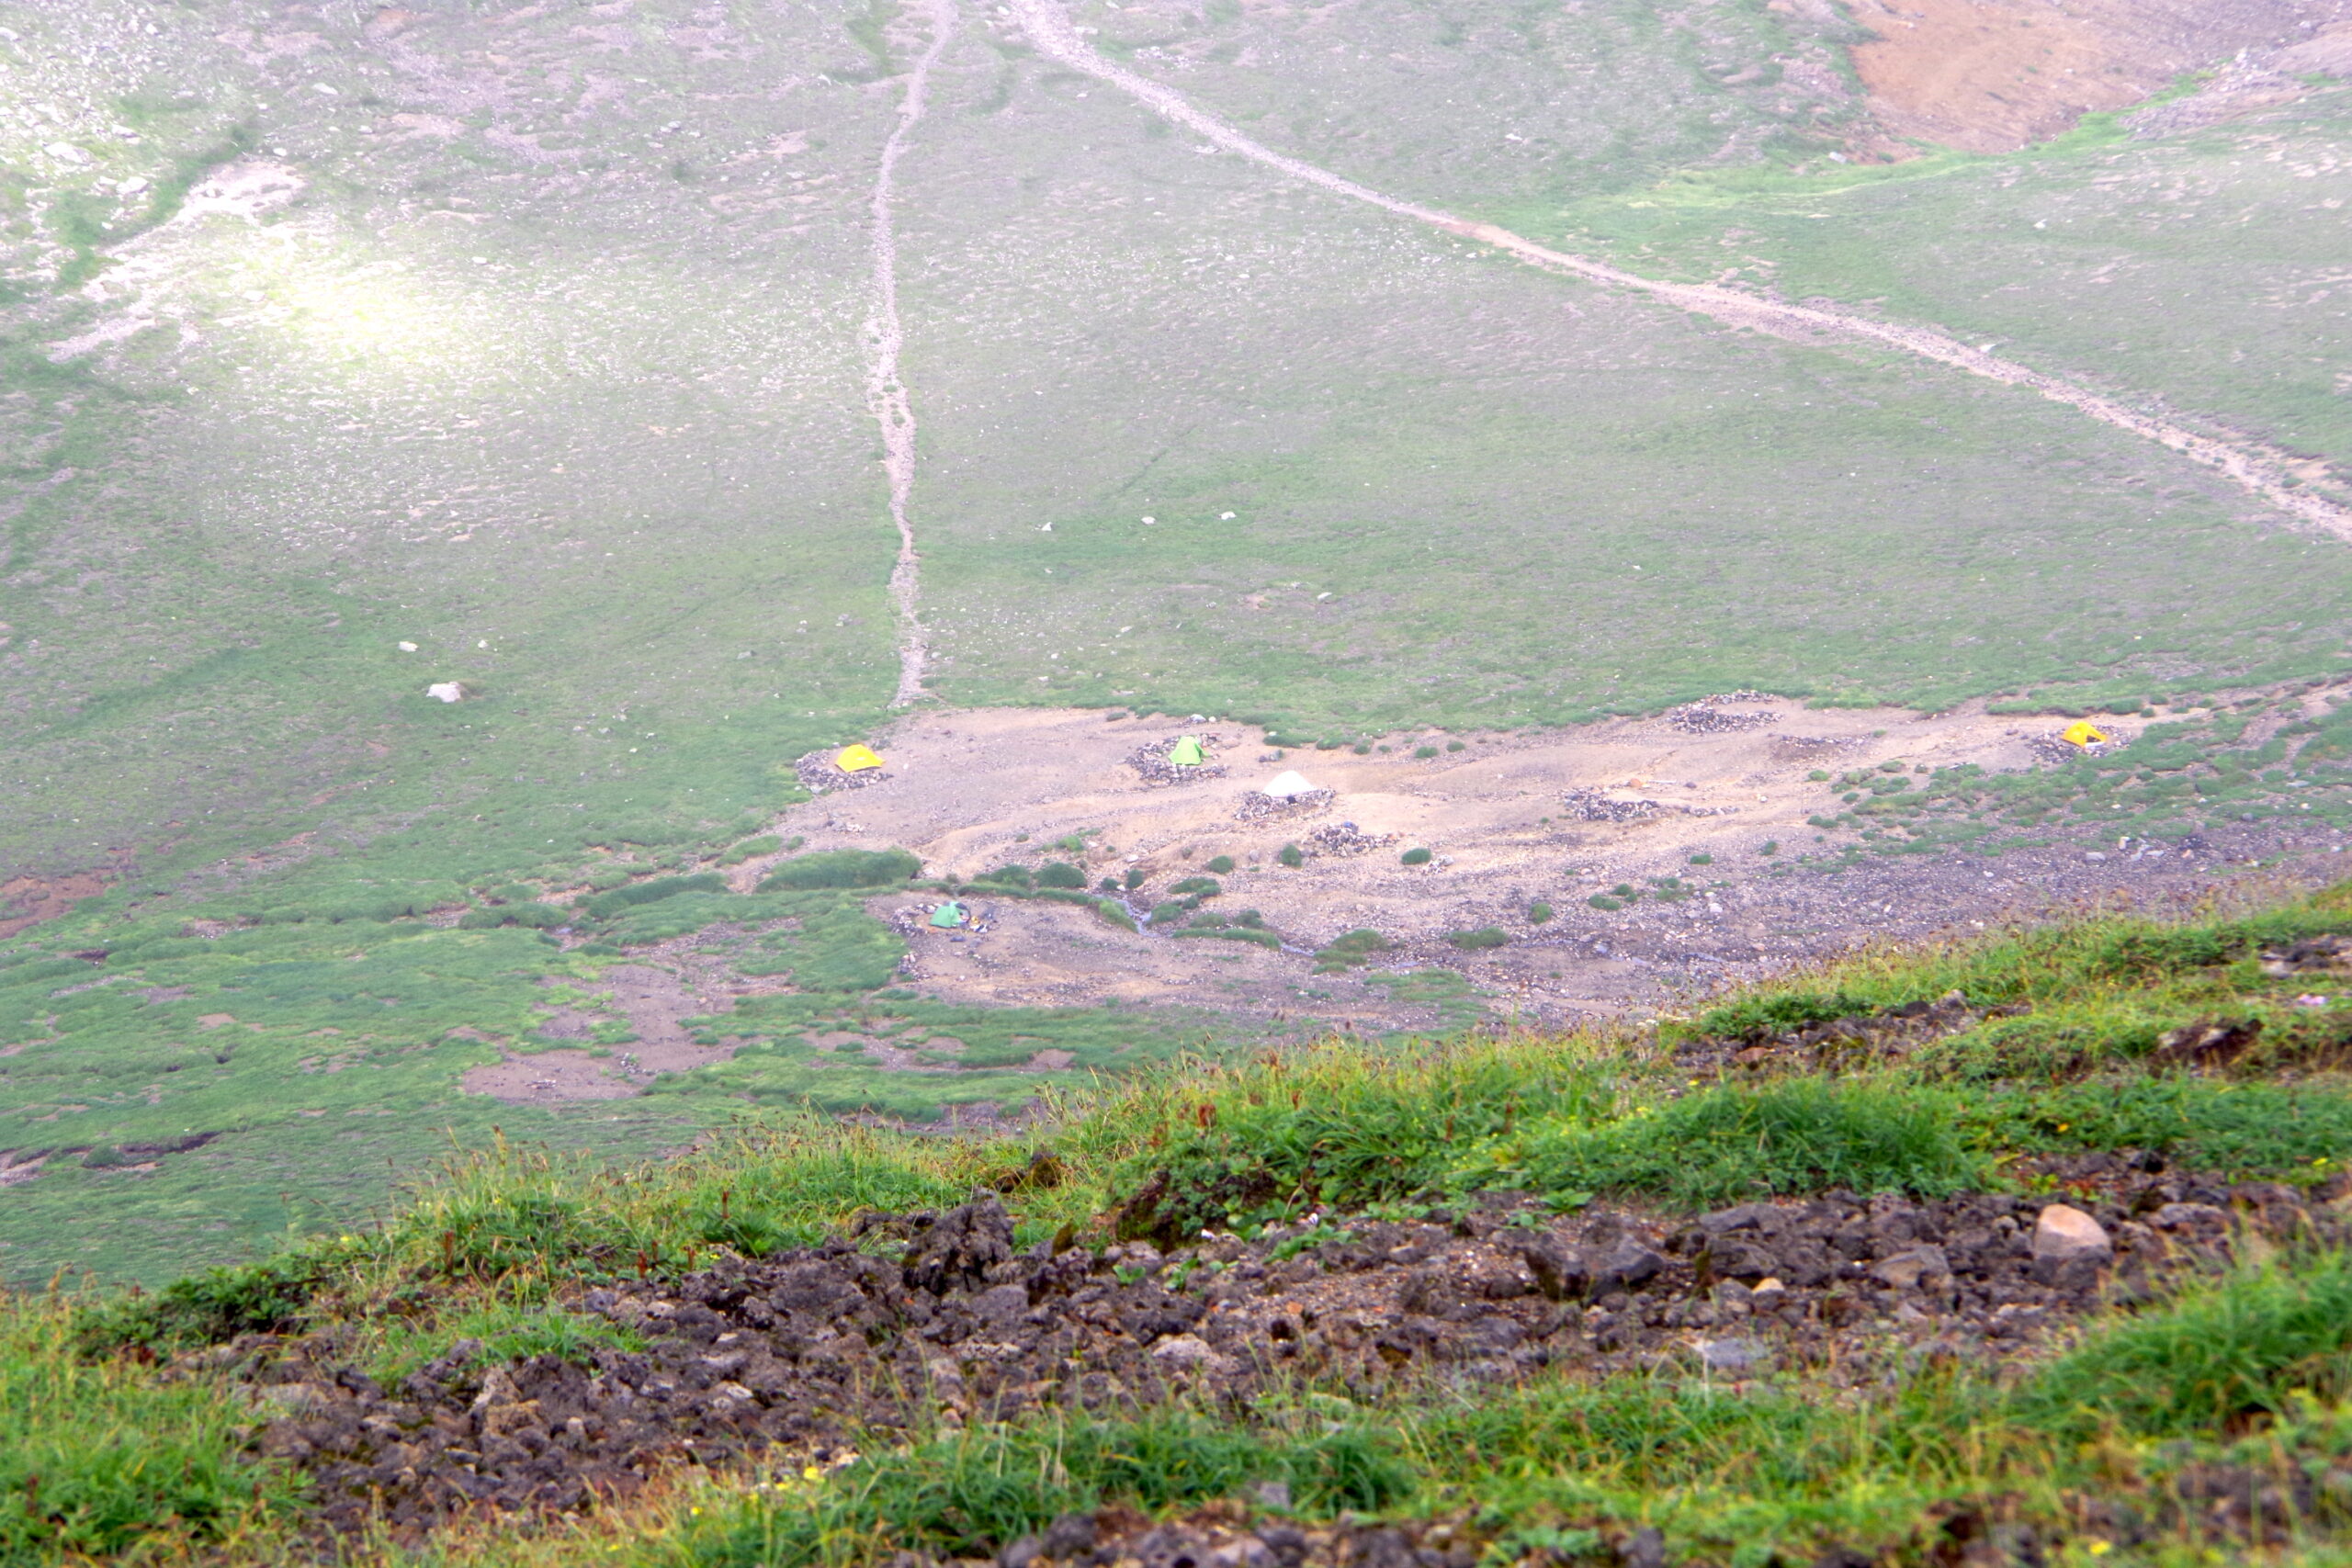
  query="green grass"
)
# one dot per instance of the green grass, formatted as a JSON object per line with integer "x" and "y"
{"x": 2245, "y": 1371}
{"x": 967, "y": 1495}
{"x": 2262, "y": 761}
{"x": 104, "y": 1456}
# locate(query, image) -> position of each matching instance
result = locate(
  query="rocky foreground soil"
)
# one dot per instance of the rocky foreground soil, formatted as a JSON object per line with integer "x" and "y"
{"x": 815, "y": 1356}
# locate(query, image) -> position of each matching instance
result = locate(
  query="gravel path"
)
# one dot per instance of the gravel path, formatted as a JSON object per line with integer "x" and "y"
{"x": 2246, "y": 464}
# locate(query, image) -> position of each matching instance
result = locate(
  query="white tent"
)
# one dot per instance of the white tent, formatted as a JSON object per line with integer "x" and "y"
{"x": 1288, "y": 786}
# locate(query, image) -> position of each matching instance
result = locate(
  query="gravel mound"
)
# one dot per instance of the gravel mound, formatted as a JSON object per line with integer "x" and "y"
{"x": 814, "y": 1352}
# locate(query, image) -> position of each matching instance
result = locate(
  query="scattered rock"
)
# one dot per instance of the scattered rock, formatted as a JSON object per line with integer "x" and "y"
{"x": 2068, "y": 1243}
{"x": 2319, "y": 954}
{"x": 2208, "y": 1042}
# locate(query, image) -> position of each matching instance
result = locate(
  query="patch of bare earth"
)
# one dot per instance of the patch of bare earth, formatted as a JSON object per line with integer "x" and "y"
{"x": 1513, "y": 820}
{"x": 1995, "y": 75}
{"x": 26, "y": 901}
{"x": 653, "y": 997}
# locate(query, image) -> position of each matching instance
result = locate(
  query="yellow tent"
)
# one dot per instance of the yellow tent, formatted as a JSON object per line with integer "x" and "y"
{"x": 1186, "y": 753}
{"x": 857, "y": 759}
{"x": 2083, "y": 732}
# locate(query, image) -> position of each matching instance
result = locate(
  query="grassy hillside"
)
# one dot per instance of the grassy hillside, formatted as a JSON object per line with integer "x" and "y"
{"x": 344, "y": 352}
{"x": 2176, "y": 1396}
{"x": 541, "y": 350}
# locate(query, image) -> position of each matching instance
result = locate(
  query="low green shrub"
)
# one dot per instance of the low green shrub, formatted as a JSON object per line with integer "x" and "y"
{"x": 1719, "y": 1145}
{"x": 767, "y": 844}
{"x": 1539, "y": 913}
{"x": 537, "y": 916}
{"x": 1220, "y": 865}
{"x": 1351, "y": 950}
{"x": 606, "y": 905}
{"x": 1233, "y": 934}
{"x": 1060, "y": 874}
{"x": 1292, "y": 856}
{"x": 1755, "y": 1018}
{"x": 1475, "y": 940}
{"x": 2246, "y": 1347}
{"x": 1112, "y": 913}
{"x": 107, "y": 1458}
{"x": 1415, "y": 857}
{"x": 972, "y": 1495}
{"x": 842, "y": 868}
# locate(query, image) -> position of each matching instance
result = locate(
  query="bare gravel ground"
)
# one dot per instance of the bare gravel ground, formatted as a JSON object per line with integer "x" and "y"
{"x": 1510, "y": 821}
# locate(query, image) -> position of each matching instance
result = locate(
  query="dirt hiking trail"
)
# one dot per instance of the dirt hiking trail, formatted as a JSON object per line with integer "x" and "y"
{"x": 885, "y": 392}
{"x": 2246, "y": 465}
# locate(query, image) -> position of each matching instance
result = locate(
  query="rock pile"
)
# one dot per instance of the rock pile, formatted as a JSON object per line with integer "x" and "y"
{"x": 1708, "y": 715}
{"x": 810, "y": 1351}
{"x": 1151, "y": 761}
{"x": 1259, "y": 806}
{"x": 1344, "y": 838}
{"x": 1592, "y": 805}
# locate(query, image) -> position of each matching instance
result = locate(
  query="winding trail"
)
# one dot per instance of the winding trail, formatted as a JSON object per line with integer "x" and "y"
{"x": 2253, "y": 469}
{"x": 886, "y": 394}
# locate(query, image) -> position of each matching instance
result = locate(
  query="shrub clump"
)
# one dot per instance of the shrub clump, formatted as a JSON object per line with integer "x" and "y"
{"x": 837, "y": 868}
{"x": 1351, "y": 950}
{"x": 1483, "y": 937}
{"x": 1415, "y": 857}
{"x": 606, "y": 905}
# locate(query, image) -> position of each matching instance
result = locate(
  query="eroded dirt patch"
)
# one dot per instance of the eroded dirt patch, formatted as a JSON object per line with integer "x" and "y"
{"x": 1994, "y": 75}
{"x": 26, "y": 901}
{"x": 670, "y": 983}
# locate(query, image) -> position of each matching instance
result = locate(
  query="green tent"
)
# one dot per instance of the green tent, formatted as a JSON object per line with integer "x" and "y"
{"x": 949, "y": 916}
{"x": 1187, "y": 752}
